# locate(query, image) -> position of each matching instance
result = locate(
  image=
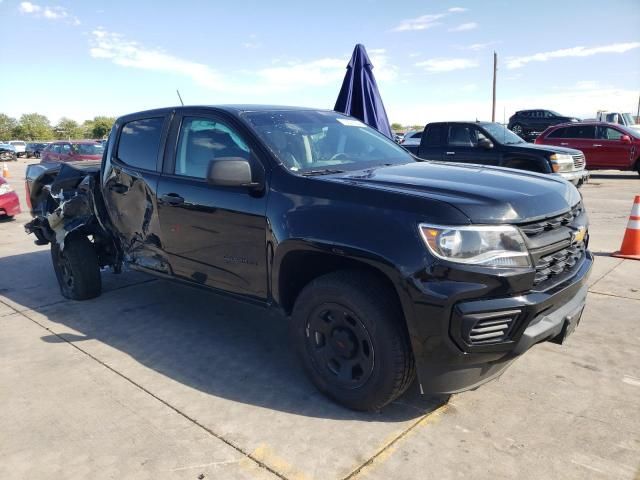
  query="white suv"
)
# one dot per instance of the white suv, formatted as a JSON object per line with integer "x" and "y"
{"x": 20, "y": 147}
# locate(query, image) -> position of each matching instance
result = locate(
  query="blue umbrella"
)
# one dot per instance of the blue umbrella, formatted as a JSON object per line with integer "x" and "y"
{"x": 359, "y": 95}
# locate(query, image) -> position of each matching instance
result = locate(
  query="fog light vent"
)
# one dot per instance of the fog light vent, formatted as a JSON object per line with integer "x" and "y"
{"x": 490, "y": 327}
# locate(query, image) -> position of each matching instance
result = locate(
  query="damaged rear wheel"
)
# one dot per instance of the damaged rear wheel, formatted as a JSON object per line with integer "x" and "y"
{"x": 77, "y": 268}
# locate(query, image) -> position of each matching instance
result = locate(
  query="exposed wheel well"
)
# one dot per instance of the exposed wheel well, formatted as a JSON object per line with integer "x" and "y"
{"x": 300, "y": 268}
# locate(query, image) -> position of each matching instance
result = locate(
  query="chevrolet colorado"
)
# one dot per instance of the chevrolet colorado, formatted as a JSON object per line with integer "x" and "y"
{"x": 384, "y": 265}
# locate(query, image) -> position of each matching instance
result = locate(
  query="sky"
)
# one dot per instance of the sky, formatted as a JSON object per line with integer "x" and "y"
{"x": 432, "y": 60}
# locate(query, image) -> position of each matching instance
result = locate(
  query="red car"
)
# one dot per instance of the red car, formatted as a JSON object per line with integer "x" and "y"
{"x": 605, "y": 145}
{"x": 71, "y": 151}
{"x": 9, "y": 203}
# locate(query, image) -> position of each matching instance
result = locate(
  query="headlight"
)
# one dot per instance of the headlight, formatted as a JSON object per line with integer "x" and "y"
{"x": 561, "y": 162}
{"x": 5, "y": 188}
{"x": 494, "y": 246}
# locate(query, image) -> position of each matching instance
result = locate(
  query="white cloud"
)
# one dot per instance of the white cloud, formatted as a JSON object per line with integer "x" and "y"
{"x": 325, "y": 71}
{"x": 517, "y": 62}
{"x": 425, "y": 22}
{"x": 253, "y": 42}
{"x": 464, "y": 27}
{"x": 281, "y": 76}
{"x": 50, "y": 13}
{"x": 439, "y": 65}
{"x": 28, "y": 7}
{"x": 478, "y": 46}
{"x": 126, "y": 53}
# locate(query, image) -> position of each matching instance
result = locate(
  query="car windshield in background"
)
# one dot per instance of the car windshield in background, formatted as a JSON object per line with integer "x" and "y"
{"x": 629, "y": 120}
{"x": 87, "y": 148}
{"x": 502, "y": 134}
{"x": 324, "y": 142}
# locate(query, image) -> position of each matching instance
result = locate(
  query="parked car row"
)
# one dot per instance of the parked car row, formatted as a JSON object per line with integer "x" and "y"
{"x": 489, "y": 143}
{"x": 604, "y": 145}
{"x": 67, "y": 151}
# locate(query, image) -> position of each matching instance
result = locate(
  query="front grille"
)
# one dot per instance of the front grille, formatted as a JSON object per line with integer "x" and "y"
{"x": 578, "y": 161}
{"x": 490, "y": 327}
{"x": 557, "y": 263}
{"x": 548, "y": 224}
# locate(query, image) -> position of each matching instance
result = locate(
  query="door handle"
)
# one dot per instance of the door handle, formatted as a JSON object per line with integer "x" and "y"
{"x": 172, "y": 199}
{"x": 450, "y": 153}
{"x": 597, "y": 145}
{"x": 118, "y": 188}
{"x": 564, "y": 143}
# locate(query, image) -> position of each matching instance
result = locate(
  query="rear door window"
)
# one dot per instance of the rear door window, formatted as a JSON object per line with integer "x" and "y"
{"x": 140, "y": 143}
{"x": 581, "y": 131}
{"x": 433, "y": 136}
{"x": 558, "y": 133}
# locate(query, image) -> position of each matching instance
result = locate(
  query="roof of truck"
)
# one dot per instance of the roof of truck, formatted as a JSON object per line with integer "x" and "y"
{"x": 231, "y": 108}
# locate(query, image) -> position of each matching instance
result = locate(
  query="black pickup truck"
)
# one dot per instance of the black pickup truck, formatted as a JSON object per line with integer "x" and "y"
{"x": 382, "y": 264}
{"x": 489, "y": 143}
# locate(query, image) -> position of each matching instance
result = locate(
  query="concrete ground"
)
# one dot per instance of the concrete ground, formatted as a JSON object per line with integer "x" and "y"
{"x": 158, "y": 380}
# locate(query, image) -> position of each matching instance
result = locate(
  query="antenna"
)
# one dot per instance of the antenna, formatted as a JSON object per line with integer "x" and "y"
{"x": 180, "y": 97}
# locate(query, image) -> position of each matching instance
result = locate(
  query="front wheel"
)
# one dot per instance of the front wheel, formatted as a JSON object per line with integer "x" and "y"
{"x": 350, "y": 335}
{"x": 77, "y": 268}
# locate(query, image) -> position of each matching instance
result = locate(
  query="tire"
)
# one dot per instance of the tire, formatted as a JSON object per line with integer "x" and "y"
{"x": 350, "y": 335}
{"x": 77, "y": 268}
{"x": 518, "y": 130}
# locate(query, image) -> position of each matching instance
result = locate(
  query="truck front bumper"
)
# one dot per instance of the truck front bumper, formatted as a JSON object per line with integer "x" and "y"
{"x": 449, "y": 358}
{"x": 577, "y": 178}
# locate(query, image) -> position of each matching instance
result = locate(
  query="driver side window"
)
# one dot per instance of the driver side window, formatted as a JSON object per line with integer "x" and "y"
{"x": 202, "y": 140}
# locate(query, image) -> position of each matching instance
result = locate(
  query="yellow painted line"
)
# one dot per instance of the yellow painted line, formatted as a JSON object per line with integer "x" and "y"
{"x": 385, "y": 452}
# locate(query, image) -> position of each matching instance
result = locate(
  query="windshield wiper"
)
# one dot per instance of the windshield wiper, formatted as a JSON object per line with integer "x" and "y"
{"x": 324, "y": 171}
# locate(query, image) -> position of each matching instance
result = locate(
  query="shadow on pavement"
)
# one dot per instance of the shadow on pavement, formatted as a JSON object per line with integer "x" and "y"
{"x": 203, "y": 340}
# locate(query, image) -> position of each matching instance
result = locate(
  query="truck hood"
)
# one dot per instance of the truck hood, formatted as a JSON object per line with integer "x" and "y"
{"x": 524, "y": 147}
{"x": 484, "y": 194}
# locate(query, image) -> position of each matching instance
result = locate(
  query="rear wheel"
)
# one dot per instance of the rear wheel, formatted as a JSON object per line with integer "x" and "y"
{"x": 77, "y": 268}
{"x": 517, "y": 129}
{"x": 350, "y": 334}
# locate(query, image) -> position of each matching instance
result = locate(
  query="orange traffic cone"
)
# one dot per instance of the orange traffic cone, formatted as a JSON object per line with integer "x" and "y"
{"x": 631, "y": 242}
{"x": 5, "y": 170}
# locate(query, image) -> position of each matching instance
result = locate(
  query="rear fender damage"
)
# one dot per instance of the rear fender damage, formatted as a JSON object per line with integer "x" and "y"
{"x": 77, "y": 211}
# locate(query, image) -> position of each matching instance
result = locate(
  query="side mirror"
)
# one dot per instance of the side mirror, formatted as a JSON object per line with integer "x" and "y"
{"x": 625, "y": 139}
{"x": 485, "y": 143}
{"x": 231, "y": 172}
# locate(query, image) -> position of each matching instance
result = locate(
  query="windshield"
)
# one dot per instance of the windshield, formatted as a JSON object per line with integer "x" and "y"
{"x": 317, "y": 141}
{"x": 19, "y": 144}
{"x": 501, "y": 134}
{"x": 629, "y": 120}
{"x": 87, "y": 148}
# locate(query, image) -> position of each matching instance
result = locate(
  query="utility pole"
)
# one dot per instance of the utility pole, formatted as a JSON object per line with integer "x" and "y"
{"x": 495, "y": 70}
{"x": 638, "y": 114}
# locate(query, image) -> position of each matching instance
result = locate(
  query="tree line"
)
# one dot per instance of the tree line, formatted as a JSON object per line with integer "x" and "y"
{"x": 34, "y": 126}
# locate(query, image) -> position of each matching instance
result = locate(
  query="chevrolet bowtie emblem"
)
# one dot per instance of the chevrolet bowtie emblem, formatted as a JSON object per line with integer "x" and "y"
{"x": 579, "y": 234}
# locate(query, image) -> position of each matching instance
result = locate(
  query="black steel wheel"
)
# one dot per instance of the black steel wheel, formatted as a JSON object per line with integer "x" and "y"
{"x": 340, "y": 345}
{"x": 351, "y": 337}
